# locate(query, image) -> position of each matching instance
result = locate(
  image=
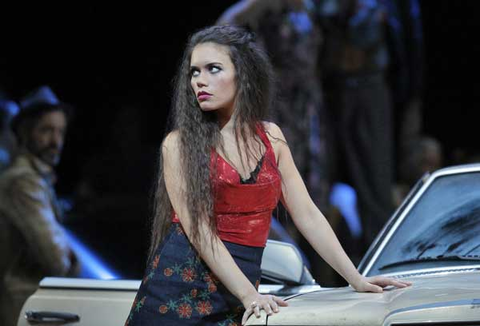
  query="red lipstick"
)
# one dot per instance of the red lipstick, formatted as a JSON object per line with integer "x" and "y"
{"x": 202, "y": 95}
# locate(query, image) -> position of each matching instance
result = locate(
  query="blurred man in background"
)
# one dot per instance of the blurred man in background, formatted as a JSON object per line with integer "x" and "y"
{"x": 33, "y": 242}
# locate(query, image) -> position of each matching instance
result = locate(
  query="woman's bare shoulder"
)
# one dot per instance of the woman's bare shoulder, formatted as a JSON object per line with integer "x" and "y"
{"x": 171, "y": 142}
{"x": 172, "y": 138}
{"x": 273, "y": 131}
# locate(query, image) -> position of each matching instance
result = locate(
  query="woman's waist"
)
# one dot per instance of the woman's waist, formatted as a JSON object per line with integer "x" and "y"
{"x": 250, "y": 229}
{"x": 246, "y": 229}
{"x": 226, "y": 218}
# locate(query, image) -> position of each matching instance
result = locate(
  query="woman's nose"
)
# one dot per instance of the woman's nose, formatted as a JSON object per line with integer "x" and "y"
{"x": 201, "y": 82}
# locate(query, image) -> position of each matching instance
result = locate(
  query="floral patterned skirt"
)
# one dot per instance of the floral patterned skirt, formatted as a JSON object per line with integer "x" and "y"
{"x": 179, "y": 289}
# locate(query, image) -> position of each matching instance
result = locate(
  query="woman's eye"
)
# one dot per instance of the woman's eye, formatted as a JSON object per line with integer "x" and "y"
{"x": 214, "y": 69}
{"x": 194, "y": 73}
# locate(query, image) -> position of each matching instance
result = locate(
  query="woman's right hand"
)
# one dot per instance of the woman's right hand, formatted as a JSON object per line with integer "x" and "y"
{"x": 267, "y": 302}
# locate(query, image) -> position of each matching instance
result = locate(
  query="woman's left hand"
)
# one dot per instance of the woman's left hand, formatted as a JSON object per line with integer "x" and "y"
{"x": 377, "y": 283}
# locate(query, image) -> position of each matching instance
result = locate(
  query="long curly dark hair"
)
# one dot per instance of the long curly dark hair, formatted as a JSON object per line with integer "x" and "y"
{"x": 199, "y": 131}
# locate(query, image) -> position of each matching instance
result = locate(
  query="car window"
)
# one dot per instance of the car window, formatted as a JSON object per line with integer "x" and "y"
{"x": 445, "y": 222}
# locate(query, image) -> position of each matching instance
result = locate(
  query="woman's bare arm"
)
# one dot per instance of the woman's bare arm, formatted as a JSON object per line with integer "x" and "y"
{"x": 313, "y": 224}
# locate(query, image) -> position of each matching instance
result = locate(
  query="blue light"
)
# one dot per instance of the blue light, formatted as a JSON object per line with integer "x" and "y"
{"x": 92, "y": 265}
{"x": 344, "y": 198}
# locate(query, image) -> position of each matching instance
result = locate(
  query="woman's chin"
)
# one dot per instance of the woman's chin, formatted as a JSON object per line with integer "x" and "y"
{"x": 207, "y": 108}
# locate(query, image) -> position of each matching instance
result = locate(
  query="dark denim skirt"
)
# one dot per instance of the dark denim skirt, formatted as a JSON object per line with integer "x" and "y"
{"x": 179, "y": 289}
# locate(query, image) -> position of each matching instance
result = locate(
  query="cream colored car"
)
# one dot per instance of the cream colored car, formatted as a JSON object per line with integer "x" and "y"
{"x": 433, "y": 240}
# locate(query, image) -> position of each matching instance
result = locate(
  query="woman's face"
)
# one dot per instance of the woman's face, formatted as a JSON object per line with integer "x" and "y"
{"x": 213, "y": 77}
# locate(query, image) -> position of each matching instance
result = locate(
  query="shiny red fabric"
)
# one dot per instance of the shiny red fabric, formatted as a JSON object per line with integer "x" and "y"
{"x": 244, "y": 211}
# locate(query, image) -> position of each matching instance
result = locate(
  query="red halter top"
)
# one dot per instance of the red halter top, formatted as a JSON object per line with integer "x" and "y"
{"x": 243, "y": 210}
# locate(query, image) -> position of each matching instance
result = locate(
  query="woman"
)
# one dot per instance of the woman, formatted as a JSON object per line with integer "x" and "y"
{"x": 223, "y": 170}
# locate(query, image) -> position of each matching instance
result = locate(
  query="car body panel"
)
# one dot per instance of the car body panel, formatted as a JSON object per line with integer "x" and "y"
{"x": 94, "y": 307}
{"x": 432, "y": 298}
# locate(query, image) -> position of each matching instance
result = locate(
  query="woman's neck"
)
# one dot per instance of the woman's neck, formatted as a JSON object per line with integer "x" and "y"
{"x": 227, "y": 126}
{"x": 226, "y": 122}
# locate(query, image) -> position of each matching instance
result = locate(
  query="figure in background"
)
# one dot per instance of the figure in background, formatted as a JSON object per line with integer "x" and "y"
{"x": 287, "y": 31}
{"x": 8, "y": 109}
{"x": 405, "y": 75}
{"x": 33, "y": 242}
{"x": 354, "y": 65}
{"x": 424, "y": 155}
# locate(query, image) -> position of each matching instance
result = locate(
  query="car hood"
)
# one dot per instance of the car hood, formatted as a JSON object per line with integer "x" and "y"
{"x": 444, "y": 297}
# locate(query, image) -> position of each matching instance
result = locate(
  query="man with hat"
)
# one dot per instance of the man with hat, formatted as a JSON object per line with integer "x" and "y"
{"x": 33, "y": 242}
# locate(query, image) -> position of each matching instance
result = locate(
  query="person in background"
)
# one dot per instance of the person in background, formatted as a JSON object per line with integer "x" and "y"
{"x": 405, "y": 75}
{"x": 354, "y": 64}
{"x": 425, "y": 155}
{"x": 34, "y": 243}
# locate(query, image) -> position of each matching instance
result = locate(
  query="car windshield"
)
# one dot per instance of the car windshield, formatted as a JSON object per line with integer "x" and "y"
{"x": 445, "y": 222}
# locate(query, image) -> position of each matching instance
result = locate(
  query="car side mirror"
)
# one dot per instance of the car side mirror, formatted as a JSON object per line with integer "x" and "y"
{"x": 282, "y": 263}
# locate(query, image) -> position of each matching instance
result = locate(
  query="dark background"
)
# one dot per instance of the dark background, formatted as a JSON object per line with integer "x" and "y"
{"x": 115, "y": 65}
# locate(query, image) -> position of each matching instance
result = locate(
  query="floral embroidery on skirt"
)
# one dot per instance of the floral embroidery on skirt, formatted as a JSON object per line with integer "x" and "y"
{"x": 179, "y": 289}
